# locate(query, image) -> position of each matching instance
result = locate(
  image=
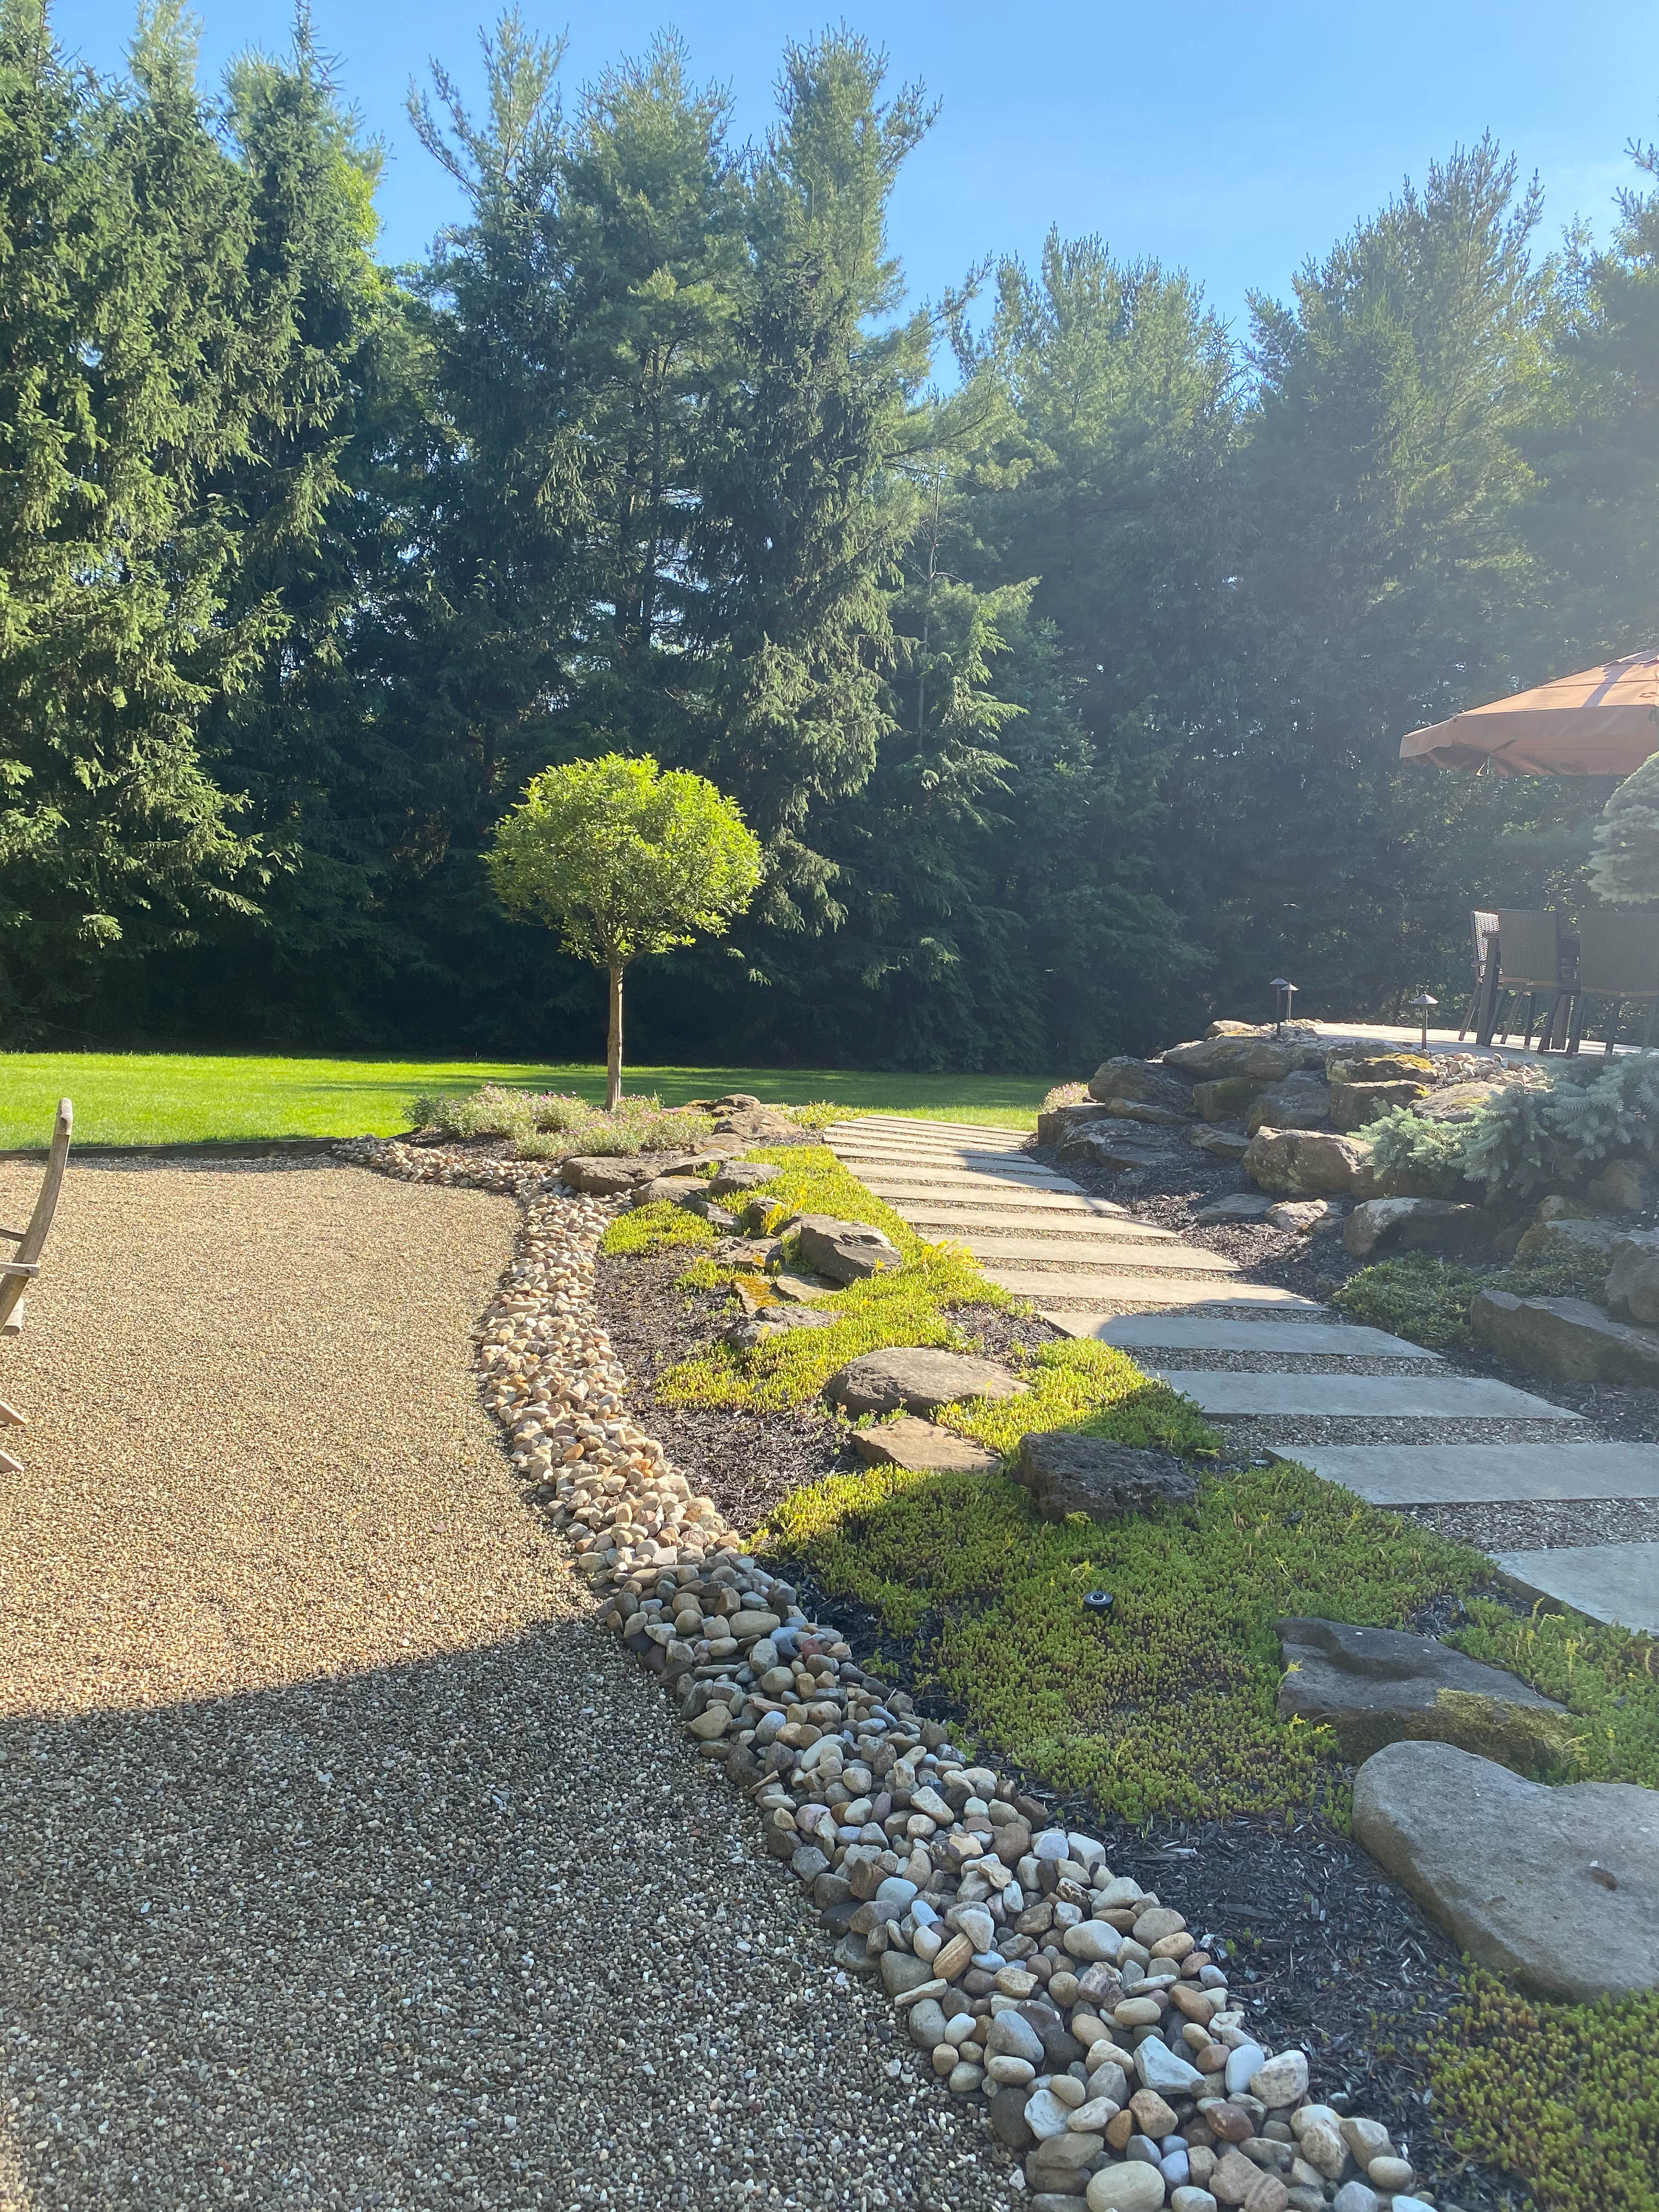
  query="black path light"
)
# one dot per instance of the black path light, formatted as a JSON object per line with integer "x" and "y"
{"x": 1424, "y": 1006}
{"x": 1099, "y": 1602}
{"x": 1287, "y": 991}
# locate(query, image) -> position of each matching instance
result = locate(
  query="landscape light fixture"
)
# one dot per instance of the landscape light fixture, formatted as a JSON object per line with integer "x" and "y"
{"x": 1424, "y": 1006}
{"x": 1287, "y": 991}
{"x": 1100, "y": 1602}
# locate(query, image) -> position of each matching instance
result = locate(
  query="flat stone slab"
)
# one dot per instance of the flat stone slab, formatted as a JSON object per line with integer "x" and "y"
{"x": 1067, "y": 1474}
{"x": 1064, "y": 1237}
{"x": 1003, "y": 1202}
{"x": 1377, "y": 1685}
{"x": 954, "y": 1131}
{"x": 1556, "y": 1886}
{"x": 1608, "y": 1581}
{"x": 1483, "y": 1474}
{"x": 1061, "y": 1252}
{"x": 917, "y": 1379}
{"x": 1341, "y": 1397}
{"x": 1079, "y": 1284}
{"x": 1148, "y": 1291}
{"x": 922, "y": 1448}
{"x": 922, "y": 1179}
{"x": 1215, "y": 1335}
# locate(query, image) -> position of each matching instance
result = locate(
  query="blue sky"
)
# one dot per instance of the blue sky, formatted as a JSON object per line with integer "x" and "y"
{"x": 1230, "y": 140}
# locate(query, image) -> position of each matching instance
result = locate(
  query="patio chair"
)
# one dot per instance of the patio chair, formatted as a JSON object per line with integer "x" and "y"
{"x": 1483, "y": 925}
{"x": 20, "y": 1270}
{"x": 1618, "y": 961}
{"x": 1530, "y": 967}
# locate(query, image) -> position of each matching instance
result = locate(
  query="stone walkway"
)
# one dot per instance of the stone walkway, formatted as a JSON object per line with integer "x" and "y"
{"x": 1092, "y": 1270}
{"x": 346, "y": 1864}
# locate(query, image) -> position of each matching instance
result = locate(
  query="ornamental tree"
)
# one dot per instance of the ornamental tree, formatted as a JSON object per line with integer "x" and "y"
{"x": 624, "y": 860}
{"x": 1624, "y": 869}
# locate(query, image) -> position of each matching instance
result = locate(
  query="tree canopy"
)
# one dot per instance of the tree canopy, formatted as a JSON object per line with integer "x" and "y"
{"x": 1055, "y": 641}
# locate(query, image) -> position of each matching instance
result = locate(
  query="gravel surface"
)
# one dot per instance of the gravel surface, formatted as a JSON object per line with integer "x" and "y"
{"x": 1545, "y": 1524}
{"x": 348, "y": 1866}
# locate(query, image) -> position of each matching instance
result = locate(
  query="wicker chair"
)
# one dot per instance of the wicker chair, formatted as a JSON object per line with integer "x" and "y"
{"x": 1618, "y": 961}
{"x": 1530, "y": 967}
{"x": 1483, "y": 926}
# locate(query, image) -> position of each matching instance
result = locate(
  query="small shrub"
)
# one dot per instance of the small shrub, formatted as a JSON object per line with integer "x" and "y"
{"x": 1565, "y": 2097}
{"x": 1530, "y": 1135}
{"x": 1427, "y": 1155}
{"x": 551, "y": 1125}
{"x": 1064, "y": 1094}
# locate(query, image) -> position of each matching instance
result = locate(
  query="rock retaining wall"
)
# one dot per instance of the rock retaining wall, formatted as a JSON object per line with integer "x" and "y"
{"x": 1099, "y": 2033}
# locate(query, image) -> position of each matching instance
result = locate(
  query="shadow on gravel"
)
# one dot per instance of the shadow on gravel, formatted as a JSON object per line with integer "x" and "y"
{"x": 478, "y": 1931}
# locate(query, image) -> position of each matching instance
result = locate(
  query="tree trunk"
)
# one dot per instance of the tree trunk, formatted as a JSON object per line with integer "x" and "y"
{"x": 613, "y": 1053}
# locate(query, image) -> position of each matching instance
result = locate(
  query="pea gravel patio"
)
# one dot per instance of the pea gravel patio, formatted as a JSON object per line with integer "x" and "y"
{"x": 345, "y": 1864}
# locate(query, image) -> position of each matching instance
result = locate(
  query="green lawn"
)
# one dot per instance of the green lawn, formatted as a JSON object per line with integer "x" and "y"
{"x": 149, "y": 1098}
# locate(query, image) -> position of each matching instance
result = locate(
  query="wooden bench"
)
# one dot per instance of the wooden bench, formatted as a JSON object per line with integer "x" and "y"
{"x": 20, "y": 1270}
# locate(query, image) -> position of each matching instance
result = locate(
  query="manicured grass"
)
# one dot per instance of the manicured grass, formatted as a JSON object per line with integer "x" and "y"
{"x": 151, "y": 1098}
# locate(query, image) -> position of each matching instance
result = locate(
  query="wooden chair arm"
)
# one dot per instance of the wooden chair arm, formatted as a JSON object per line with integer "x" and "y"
{"x": 15, "y": 1235}
{"x": 20, "y": 1266}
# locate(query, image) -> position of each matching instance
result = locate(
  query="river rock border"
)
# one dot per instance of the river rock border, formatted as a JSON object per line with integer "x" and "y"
{"x": 1097, "y": 2031}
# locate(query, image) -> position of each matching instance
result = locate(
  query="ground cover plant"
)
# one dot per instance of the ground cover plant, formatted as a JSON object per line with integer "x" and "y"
{"x": 1166, "y": 1706}
{"x": 1426, "y": 1300}
{"x": 1606, "y": 1676}
{"x": 1564, "y": 2097}
{"x": 554, "y": 1124}
{"x": 159, "y": 1098}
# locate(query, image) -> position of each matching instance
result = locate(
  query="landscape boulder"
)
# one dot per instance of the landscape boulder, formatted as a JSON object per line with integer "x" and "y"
{"x": 923, "y": 1448}
{"x": 1257, "y": 1055}
{"x": 1622, "y": 1186}
{"x": 1309, "y": 1164}
{"x": 1228, "y": 1099}
{"x": 1354, "y": 1064}
{"x": 676, "y": 1190}
{"x": 1457, "y": 1102}
{"x": 1220, "y": 1144}
{"x": 1244, "y": 1205}
{"x": 739, "y": 1175}
{"x": 761, "y": 1326}
{"x": 1377, "y": 1685}
{"x": 757, "y": 1125}
{"x": 1054, "y": 1126}
{"x": 1383, "y": 1225}
{"x": 605, "y": 1177}
{"x": 1307, "y": 1217}
{"x": 1069, "y": 1474}
{"x": 1301, "y": 1101}
{"x": 1354, "y": 1104}
{"x": 1114, "y": 1144}
{"x": 1568, "y": 1339}
{"x": 845, "y": 1251}
{"x": 917, "y": 1380}
{"x": 1569, "y": 1239}
{"x": 1140, "y": 1082}
{"x": 1559, "y": 1887}
{"x": 1632, "y": 1290}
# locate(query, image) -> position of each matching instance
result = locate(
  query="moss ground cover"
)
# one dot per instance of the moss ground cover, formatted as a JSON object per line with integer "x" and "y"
{"x": 1169, "y": 1707}
{"x": 154, "y": 1098}
{"x": 1426, "y": 1300}
{"x": 1565, "y": 2097}
{"x": 1607, "y": 1677}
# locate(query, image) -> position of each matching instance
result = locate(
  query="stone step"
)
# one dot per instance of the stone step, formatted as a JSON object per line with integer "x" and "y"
{"x": 923, "y": 1180}
{"x": 913, "y": 1124}
{"x": 1039, "y": 1253}
{"x": 1017, "y": 1169}
{"x": 1097, "y": 1217}
{"x": 887, "y": 1139}
{"x": 1296, "y": 1339}
{"x": 1062, "y": 1242}
{"x": 1058, "y": 1283}
{"x": 1006, "y": 1199}
{"x": 1353, "y": 1397}
{"x": 1112, "y": 1292}
{"x": 1482, "y": 1474}
{"x": 1608, "y": 1581}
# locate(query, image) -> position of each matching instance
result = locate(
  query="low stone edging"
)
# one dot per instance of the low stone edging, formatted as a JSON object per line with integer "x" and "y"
{"x": 1099, "y": 2034}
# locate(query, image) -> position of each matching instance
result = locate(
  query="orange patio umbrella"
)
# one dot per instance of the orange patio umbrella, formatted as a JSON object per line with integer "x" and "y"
{"x": 1603, "y": 721}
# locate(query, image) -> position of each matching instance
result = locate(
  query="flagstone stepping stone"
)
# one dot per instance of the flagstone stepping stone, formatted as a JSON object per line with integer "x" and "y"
{"x": 1124, "y": 1290}
{"x": 917, "y": 1380}
{"x": 922, "y": 1179}
{"x": 1087, "y": 1283}
{"x": 1061, "y": 1252}
{"x": 1003, "y": 1202}
{"x": 1067, "y": 1473}
{"x": 1559, "y": 1887}
{"x": 923, "y": 1448}
{"x": 1432, "y": 1397}
{"x": 1377, "y": 1685}
{"x": 1608, "y": 1581}
{"x": 1482, "y": 1474}
{"x": 762, "y": 1325}
{"x": 1298, "y": 1338}
{"x": 1081, "y": 1234}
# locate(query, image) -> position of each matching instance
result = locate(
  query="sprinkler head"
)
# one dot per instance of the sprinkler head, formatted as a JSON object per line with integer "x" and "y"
{"x": 1101, "y": 1602}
